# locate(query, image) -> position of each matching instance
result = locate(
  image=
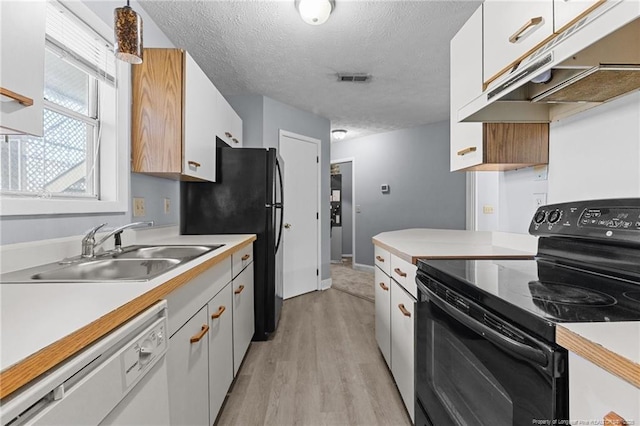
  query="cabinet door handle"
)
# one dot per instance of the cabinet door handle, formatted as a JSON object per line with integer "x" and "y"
{"x": 239, "y": 290}
{"x": 380, "y": 259}
{"x": 194, "y": 164}
{"x": 227, "y": 134}
{"x": 246, "y": 257}
{"x": 404, "y": 310}
{"x": 217, "y": 314}
{"x": 467, "y": 150}
{"x": 199, "y": 336}
{"x": 234, "y": 140}
{"x": 399, "y": 272}
{"x": 22, "y": 100}
{"x": 530, "y": 23}
{"x": 614, "y": 419}
{"x": 384, "y": 287}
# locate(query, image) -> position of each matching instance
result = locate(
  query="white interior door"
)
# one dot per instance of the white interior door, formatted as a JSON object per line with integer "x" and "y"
{"x": 300, "y": 265}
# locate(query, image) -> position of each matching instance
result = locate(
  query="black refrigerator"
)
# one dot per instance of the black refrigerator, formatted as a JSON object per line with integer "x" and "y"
{"x": 245, "y": 199}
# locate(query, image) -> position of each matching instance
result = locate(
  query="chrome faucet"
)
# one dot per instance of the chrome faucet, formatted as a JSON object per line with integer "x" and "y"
{"x": 89, "y": 243}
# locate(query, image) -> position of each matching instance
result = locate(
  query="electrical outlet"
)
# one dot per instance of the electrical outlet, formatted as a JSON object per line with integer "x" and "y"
{"x": 138, "y": 207}
{"x": 487, "y": 209}
{"x": 167, "y": 205}
{"x": 539, "y": 199}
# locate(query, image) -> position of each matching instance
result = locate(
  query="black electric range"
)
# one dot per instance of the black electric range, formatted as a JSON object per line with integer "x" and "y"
{"x": 486, "y": 352}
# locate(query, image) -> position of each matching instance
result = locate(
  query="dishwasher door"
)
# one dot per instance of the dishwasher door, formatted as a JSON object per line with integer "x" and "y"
{"x": 121, "y": 379}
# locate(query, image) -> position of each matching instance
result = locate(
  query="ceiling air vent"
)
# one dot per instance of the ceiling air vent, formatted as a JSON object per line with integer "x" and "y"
{"x": 354, "y": 77}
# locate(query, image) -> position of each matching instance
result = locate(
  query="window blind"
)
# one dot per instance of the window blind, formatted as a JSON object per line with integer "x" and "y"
{"x": 76, "y": 42}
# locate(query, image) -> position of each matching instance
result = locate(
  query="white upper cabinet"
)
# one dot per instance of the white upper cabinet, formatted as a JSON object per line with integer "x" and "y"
{"x": 22, "y": 35}
{"x": 199, "y": 147}
{"x": 466, "y": 84}
{"x": 511, "y": 30}
{"x": 565, "y": 11}
{"x": 229, "y": 123}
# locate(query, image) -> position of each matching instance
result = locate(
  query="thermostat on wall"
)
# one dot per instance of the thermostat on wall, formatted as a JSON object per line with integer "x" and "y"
{"x": 384, "y": 188}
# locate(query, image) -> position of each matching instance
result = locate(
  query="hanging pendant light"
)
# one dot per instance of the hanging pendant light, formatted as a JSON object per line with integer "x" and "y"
{"x": 127, "y": 30}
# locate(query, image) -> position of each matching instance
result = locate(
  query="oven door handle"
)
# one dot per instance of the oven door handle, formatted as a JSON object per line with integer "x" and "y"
{"x": 527, "y": 352}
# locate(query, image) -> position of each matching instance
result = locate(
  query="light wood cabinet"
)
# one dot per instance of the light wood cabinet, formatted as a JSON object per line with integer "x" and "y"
{"x": 220, "y": 349}
{"x": 511, "y": 30}
{"x": 402, "y": 344}
{"x": 187, "y": 368}
{"x": 383, "y": 313}
{"x": 243, "y": 315}
{"x": 171, "y": 117}
{"x": 22, "y": 36}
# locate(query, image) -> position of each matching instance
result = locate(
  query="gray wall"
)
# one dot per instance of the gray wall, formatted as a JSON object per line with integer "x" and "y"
{"x": 272, "y": 116}
{"x": 347, "y": 211}
{"x": 415, "y": 164}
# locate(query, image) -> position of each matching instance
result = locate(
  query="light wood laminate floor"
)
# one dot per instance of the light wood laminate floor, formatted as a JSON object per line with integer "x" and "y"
{"x": 322, "y": 367}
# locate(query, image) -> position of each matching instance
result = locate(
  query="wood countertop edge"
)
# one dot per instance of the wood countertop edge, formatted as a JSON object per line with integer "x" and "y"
{"x": 599, "y": 355}
{"x": 21, "y": 373}
{"x": 414, "y": 259}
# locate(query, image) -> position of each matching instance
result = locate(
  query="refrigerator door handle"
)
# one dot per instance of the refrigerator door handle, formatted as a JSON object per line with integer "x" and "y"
{"x": 280, "y": 205}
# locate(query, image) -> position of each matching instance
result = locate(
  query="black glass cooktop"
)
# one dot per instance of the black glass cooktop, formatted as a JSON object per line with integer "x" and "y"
{"x": 537, "y": 294}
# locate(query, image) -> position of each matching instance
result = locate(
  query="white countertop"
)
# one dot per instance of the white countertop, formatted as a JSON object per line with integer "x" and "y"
{"x": 33, "y": 316}
{"x": 413, "y": 244}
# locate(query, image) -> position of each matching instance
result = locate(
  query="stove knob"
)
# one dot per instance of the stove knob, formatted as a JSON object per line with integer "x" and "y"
{"x": 554, "y": 216}
{"x": 539, "y": 217}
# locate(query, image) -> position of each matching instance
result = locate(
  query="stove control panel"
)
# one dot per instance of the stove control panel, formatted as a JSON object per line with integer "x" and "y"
{"x": 615, "y": 219}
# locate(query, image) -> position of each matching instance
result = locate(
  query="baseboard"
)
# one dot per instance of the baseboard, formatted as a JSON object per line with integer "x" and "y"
{"x": 325, "y": 284}
{"x": 347, "y": 255}
{"x": 365, "y": 268}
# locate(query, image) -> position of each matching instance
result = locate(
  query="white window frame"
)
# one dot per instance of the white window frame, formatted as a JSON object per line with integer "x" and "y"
{"x": 114, "y": 147}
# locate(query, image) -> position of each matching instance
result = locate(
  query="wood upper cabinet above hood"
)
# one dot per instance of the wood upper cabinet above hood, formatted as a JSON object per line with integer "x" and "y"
{"x": 509, "y": 146}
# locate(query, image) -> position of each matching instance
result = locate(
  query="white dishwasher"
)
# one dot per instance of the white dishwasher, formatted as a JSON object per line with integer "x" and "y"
{"x": 119, "y": 380}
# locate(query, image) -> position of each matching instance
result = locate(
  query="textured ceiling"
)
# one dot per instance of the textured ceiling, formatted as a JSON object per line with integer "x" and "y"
{"x": 264, "y": 47}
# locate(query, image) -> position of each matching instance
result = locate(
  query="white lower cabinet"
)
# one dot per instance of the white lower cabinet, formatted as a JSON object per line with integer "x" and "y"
{"x": 383, "y": 313}
{"x": 243, "y": 315}
{"x": 187, "y": 365}
{"x": 402, "y": 344}
{"x": 220, "y": 349}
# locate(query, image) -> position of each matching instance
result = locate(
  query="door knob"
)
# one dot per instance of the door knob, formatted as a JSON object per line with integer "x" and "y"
{"x": 287, "y": 225}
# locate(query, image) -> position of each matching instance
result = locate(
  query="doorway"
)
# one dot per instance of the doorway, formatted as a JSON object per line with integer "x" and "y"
{"x": 343, "y": 240}
{"x": 301, "y": 198}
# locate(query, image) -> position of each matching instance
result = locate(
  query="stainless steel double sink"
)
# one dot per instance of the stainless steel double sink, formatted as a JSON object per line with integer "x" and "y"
{"x": 132, "y": 263}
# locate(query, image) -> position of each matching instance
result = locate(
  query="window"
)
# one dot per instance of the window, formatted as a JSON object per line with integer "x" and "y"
{"x": 80, "y": 164}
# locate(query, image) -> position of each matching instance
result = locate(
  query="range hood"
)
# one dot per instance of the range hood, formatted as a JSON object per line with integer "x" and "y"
{"x": 577, "y": 70}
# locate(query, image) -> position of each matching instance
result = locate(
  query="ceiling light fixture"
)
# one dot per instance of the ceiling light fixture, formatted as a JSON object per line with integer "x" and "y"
{"x": 339, "y": 134}
{"x": 315, "y": 12}
{"x": 127, "y": 29}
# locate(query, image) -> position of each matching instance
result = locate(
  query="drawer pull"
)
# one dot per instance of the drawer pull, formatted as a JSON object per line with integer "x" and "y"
{"x": 246, "y": 257}
{"x": 530, "y": 23}
{"x": 235, "y": 140}
{"x": 467, "y": 150}
{"x": 614, "y": 419}
{"x": 384, "y": 287}
{"x": 21, "y": 99}
{"x": 217, "y": 314}
{"x": 404, "y": 310}
{"x": 227, "y": 134}
{"x": 194, "y": 164}
{"x": 199, "y": 336}
{"x": 239, "y": 290}
{"x": 380, "y": 259}
{"x": 399, "y": 272}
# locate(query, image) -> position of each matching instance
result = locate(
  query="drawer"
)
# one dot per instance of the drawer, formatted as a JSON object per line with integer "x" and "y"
{"x": 404, "y": 273}
{"x": 382, "y": 259}
{"x": 241, "y": 259}
{"x": 193, "y": 295}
